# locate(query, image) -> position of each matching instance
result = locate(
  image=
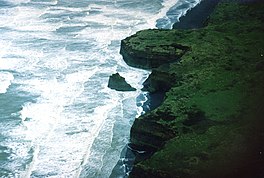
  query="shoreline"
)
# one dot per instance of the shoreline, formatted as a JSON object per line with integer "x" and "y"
{"x": 154, "y": 100}
{"x": 193, "y": 19}
{"x": 142, "y": 133}
{"x": 197, "y": 16}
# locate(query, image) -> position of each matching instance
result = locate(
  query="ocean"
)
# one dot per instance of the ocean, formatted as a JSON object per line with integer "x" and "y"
{"x": 57, "y": 116}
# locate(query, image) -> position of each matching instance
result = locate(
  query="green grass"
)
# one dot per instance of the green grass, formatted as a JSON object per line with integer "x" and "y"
{"x": 222, "y": 79}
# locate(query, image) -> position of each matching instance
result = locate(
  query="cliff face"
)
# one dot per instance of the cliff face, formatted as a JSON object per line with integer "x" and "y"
{"x": 148, "y": 49}
{"x": 211, "y": 121}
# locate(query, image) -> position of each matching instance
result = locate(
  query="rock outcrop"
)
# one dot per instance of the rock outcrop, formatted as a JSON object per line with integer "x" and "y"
{"x": 159, "y": 81}
{"x": 211, "y": 121}
{"x": 119, "y": 83}
{"x": 148, "y": 49}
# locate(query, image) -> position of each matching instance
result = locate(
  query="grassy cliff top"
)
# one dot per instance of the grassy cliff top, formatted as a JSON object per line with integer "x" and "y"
{"x": 215, "y": 106}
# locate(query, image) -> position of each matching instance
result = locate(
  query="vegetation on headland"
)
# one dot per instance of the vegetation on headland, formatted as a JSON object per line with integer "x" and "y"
{"x": 211, "y": 121}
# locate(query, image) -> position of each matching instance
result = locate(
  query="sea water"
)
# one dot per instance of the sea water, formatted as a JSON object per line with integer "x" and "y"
{"x": 57, "y": 116}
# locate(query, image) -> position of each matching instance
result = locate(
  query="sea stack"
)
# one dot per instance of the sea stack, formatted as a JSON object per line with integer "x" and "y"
{"x": 119, "y": 83}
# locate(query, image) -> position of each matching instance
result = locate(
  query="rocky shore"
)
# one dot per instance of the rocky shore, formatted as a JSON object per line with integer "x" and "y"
{"x": 210, "y": 123}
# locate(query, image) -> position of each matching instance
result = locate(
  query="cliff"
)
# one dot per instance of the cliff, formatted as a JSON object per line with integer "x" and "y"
{"x": 211, "y": 121}
{"x": 150, "y": 50}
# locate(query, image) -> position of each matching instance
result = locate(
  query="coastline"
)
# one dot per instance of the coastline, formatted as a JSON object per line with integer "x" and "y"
{"x": 155, "y": 99}
{"x": 147, "y": 167}
{"x": 198, "y": 16}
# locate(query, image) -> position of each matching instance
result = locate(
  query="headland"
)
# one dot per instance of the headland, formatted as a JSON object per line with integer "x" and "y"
{"x": 210, "y": 123}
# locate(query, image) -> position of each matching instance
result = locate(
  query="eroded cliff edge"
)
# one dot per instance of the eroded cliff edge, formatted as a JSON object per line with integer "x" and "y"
{"x": 211, "y": 121}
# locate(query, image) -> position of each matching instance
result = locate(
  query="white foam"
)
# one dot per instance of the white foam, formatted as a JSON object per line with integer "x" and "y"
{"x": 25, "y": 18}
{"x": 99, "y": 115}
{"x": 17, "y": 57}
{"x": 5, "y": 81}
{"x": 183, "y": 13}
{"x": 50, "y": 2}
{"x": 167, "y": 4}
{"x": 61, "y": 9}
{"x": 43, "y": 117}
{"x": 72, "y": 105}
{"x": 54, "y": 93}
{"x": 18, "y": 1}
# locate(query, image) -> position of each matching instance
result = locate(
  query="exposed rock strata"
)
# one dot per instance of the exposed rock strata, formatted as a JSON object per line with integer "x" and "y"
{"x": 211, "y": 121}
{"x": 159, "y": 81}
{"x": 149, "y": 49}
